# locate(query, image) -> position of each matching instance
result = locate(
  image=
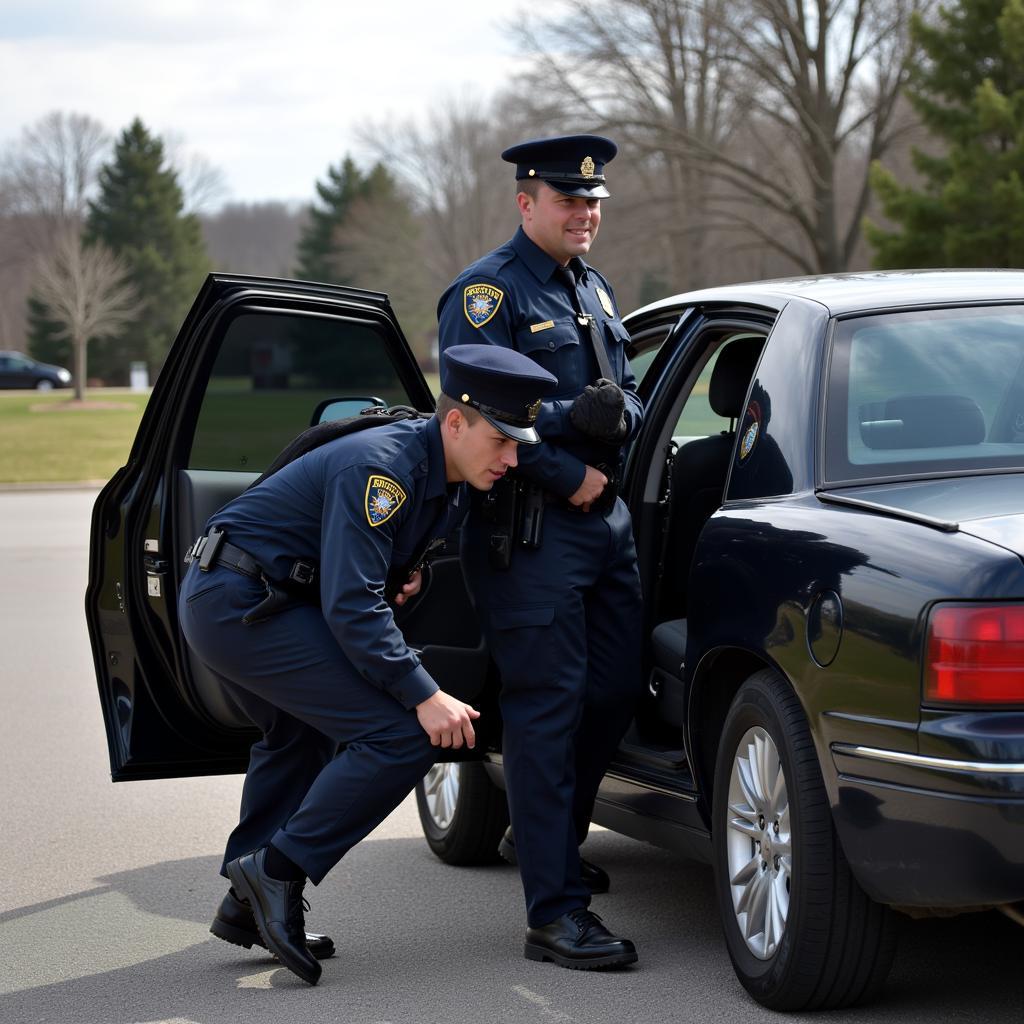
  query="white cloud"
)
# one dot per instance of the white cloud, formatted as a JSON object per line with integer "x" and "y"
{"x": 269, "y": 92}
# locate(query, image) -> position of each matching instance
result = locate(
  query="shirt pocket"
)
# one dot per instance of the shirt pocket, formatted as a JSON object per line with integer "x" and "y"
{"x": 557, "y": 349}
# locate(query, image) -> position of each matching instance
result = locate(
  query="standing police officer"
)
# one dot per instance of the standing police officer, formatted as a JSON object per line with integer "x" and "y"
{"x": 555, "y": 580}
{"x": 335, "y": 670}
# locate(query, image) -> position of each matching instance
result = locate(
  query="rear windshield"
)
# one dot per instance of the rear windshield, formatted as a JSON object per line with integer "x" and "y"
{"x": 926, "y": 392}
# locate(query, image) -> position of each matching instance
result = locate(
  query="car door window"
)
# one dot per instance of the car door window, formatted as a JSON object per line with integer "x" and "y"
{"x": 271, "y": 373}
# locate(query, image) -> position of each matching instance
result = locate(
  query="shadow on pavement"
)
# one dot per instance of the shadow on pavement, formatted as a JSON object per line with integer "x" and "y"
{"x": 420, "y": 941}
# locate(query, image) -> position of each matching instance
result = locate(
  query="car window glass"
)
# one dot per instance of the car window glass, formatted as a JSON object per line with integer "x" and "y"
{"x": 698, "y": 419}
{"x": 925, "y": 392}
{"x": 270, "y": 374}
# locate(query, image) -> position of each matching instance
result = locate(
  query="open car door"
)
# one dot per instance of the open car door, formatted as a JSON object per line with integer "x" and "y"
{"x": 253, "y": 363}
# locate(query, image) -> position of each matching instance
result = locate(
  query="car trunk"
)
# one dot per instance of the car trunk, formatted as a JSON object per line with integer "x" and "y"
{"x": 990, "y": 507}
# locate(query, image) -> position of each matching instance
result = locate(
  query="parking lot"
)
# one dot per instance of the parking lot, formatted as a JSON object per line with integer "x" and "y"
{"x": 106, "y": 891}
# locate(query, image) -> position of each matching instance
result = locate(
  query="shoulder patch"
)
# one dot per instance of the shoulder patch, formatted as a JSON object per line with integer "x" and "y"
{"x": 384, "y": 498}
{"x": 480, "y": 302}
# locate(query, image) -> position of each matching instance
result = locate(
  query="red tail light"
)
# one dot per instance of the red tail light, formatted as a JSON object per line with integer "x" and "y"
{"x": 975, "y": 654}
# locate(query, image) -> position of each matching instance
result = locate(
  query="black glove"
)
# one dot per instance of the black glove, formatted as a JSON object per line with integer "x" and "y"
{"x": 600, "y": 411}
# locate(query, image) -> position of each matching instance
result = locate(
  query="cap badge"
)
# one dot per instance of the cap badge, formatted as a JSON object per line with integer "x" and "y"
{"x": 481, "y": 302}
{"x": 384, "y": 498}
{"x": 532, "y": 410}
{"x": 606, "y": 302}
{"x": 587, "y": 167}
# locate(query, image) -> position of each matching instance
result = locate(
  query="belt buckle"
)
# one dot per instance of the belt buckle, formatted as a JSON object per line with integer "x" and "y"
{"x": 302, "y": 573}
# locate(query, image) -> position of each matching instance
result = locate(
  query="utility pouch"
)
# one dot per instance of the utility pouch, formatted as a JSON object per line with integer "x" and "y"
{"x": 500, "y": 511}
{"x": 214, "y": 539}
{"x": 531, "y": 521}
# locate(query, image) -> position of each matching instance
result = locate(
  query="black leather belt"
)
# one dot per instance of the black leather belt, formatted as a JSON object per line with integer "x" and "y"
{"x": 213, "y": 549}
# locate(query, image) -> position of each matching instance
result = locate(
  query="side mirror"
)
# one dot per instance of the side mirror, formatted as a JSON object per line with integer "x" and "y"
{"x": 331, "y": 409}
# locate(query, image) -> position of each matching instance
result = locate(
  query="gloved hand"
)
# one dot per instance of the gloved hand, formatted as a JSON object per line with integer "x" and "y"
{"x": 599, "y": 412}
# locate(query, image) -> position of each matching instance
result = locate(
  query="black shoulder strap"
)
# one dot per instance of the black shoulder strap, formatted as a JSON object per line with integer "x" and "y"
{"x": 321, "y": 433}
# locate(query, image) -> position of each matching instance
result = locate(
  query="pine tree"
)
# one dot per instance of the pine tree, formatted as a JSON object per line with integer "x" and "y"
{"x": 968, "y": 87}
{"x": 139, "y": 216}
{"x": 318, "y": 247}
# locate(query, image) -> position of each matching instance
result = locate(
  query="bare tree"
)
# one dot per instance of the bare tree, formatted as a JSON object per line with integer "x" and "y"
{"x": 49, "y": 174}
{"x": 452, "y": 168}
{"x": 751, "y": 113}
{"x": 87, "y": 292}
{"x": 202, "y": 182}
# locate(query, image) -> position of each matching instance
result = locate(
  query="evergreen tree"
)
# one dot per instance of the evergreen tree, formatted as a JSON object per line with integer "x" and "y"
{"x": 968, "y": 87}
{"x": 318, "y": 247}
{"x": 139, "y": 216}
{"x": 45, "y": 340}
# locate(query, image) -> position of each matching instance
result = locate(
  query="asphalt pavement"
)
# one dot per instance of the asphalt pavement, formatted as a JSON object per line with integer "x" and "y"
{"x": 106, "y": 891}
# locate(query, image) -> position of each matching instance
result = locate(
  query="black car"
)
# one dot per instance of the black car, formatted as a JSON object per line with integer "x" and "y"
{"x": 20, "y": 371}
{"x": 828, "y": 500}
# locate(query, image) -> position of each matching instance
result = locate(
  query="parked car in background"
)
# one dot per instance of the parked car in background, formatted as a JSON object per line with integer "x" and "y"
{"x": 18, "y": 370}
{"x": 828, "y": 501}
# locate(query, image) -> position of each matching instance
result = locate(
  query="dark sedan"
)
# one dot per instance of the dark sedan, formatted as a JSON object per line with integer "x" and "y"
{"x": 828, "y": 500}
{"x": 20, "y": 371}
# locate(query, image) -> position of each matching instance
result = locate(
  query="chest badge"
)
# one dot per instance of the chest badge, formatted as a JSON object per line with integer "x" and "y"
{"x": 384, "y": 498}
{"x": 606, "y": 302}
{"x": 480, "y": 302}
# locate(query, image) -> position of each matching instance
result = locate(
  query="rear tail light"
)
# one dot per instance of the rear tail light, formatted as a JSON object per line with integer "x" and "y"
{"x": 975, "y": 654}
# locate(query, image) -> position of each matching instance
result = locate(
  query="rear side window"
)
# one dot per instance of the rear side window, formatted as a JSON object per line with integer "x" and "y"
{"x": 270, "y": 373}
{"x": 926, "y": 392}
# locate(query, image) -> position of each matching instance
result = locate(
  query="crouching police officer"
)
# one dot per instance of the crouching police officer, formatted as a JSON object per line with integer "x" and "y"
{"x": 336, "y": 671}
{"x": 558, "y": 591}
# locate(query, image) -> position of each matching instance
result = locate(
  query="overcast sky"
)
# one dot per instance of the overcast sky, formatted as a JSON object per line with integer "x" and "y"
{"x": 269, "y": 92}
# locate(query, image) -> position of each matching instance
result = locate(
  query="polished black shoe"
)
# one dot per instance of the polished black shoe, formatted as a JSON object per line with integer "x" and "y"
{"x": 594, "y": 878}
{"x": 234, "y": 923}
{"x": 277, "y": 909}
{"x": 578, "y": 940}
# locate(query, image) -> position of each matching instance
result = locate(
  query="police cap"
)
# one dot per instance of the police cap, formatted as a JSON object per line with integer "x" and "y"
{"x": 503, "y": 385}
{"x": 572, "y": 164}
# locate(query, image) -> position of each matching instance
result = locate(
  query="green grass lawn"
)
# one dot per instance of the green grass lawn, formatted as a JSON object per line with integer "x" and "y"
{"x": 43, "y": 439}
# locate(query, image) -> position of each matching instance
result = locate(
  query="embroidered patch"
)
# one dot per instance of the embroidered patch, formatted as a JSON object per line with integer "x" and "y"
{"x": 481, "y": 302}
{"x": 383, "y": 499}
{"x": 606, "y": 302}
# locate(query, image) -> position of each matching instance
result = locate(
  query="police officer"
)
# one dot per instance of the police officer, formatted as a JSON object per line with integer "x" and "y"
{"x": 561, "y": 603}
{"x": 335, "y": 670}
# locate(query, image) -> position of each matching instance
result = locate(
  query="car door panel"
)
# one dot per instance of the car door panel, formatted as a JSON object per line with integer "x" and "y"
{"x": 252, "y": 360}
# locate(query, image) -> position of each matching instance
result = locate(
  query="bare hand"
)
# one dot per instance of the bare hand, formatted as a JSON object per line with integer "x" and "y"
{"x": 410, "y": 589}
{"x": 594, "y": 482}
{"x": 447, "y": 721}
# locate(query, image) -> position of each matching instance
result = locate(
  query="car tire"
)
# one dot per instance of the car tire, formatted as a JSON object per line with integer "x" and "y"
{"x": 44, "y": 385}
{"x": 463, "y": 814}
{"x": 801, "y": 932}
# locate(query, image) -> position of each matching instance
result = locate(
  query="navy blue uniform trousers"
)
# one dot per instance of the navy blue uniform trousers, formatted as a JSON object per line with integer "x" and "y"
{"x": 337, "y": 753}
{"x": 563, "y": 625}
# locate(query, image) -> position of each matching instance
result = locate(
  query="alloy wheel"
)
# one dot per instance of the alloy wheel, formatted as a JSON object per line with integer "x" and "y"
{"x": 441, "y": 789}
{"x": 759, "y": 843}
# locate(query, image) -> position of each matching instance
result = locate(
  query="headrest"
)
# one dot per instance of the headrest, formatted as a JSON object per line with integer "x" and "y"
{"x": 922, "y": 421}
{"x": 731, "y": 376}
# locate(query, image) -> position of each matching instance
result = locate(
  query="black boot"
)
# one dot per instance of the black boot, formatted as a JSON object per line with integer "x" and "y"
{"x": 277, "y": 909}
{"x": 594, "y": 878}
{"x": 580, "y": 941}
{"x": 234, "y": 923}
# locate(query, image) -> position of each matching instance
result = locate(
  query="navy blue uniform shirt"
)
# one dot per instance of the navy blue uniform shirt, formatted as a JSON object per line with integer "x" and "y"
{"x": 356, "y": 506}
{"x": 511, "y": 297}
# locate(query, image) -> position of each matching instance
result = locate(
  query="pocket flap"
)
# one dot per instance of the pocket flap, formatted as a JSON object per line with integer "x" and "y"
{"x": 617, "y": 332}
{"x": 519, "y": 618}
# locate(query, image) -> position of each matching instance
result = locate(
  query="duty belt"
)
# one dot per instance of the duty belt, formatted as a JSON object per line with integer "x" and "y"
{"x": 213, "y": 549}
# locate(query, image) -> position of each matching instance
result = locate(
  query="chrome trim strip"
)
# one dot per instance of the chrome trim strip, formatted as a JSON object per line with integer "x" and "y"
{"x": 922, "y": 761}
